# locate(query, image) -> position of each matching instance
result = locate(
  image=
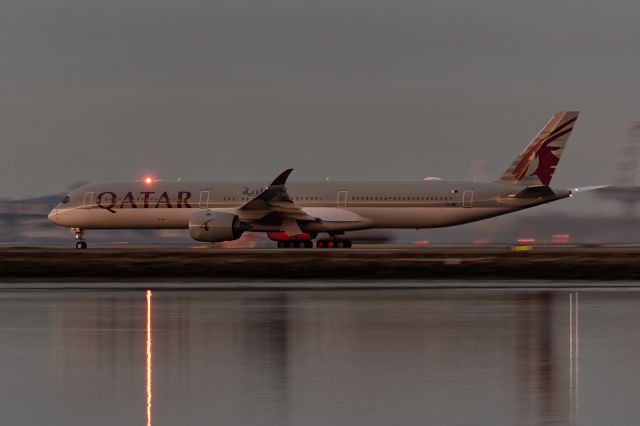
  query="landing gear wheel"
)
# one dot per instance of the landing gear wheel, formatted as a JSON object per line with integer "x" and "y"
{"x": 333, "y": 243}
{"x": 79, "y": 234}
{"x": 295, "y": 244}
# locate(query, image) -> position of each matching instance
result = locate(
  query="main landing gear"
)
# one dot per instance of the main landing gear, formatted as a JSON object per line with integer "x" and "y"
{"x": 79, "y": 234}
{"x": 305, "y": 240}
{"x": 326, "y": 243}
{"x": 295, "y": 244}
{"x": 333, "y": 243}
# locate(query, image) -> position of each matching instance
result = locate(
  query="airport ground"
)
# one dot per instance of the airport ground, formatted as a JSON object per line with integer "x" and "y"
{"x": 395, "y": 265}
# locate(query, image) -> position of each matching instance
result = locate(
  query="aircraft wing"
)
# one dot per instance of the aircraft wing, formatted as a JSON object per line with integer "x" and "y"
{"x": 274, "y": 205}
{"x": 275, "y": 200}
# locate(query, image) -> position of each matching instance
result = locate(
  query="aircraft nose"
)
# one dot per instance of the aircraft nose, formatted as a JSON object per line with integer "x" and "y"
{"x": 53, "y": 216}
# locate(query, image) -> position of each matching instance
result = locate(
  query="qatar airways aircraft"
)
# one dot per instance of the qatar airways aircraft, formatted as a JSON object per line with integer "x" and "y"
{"x": 295, "y": 213}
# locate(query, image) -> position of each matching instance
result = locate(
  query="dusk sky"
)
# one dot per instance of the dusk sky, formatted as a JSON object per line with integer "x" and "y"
{"x": 215, "y": 90}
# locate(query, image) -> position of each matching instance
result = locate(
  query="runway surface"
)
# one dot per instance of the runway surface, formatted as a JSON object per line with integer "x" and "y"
{"x": 357, "y": 267}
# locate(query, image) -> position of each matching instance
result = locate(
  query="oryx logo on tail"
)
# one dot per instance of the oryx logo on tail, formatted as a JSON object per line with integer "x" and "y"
{"x": 537, "y": 163}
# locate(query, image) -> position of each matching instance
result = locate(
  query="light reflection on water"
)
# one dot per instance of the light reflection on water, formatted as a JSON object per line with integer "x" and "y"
{"x": 149, "y": 365}
{"x": 474, "y": 356}
{"x": 574, "y": 357}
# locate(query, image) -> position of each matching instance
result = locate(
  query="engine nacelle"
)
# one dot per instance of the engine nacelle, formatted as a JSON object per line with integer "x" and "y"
{"x": 212, "y": 226}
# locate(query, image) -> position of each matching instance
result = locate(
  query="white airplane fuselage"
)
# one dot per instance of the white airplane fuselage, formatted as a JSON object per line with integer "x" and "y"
{"x": 343, "y": 206}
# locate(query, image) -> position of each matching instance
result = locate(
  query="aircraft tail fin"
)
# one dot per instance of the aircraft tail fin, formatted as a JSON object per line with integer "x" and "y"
{"x": 537, "y": 163}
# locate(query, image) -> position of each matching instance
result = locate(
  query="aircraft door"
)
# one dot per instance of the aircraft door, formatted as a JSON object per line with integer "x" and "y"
{"x": 342, "y": 199}
{"x": 204, "y": 199}
{"x": 88, "y": 200}
{"x": 467, "y": 199}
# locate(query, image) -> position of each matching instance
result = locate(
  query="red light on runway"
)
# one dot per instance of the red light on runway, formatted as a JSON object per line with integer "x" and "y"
{"x": 560, "y": 238}
{"x": 421, "y": 242}
{"x": 481, "y": 242}
{"x": 527, "y": 240}
{"x": 148, "y": 180}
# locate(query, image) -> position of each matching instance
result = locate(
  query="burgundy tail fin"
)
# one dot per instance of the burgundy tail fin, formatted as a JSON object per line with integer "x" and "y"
{"x": 539, "y": 160}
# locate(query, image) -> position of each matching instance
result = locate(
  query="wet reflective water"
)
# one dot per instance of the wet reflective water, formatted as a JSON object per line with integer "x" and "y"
{"x": 381, "y": 357}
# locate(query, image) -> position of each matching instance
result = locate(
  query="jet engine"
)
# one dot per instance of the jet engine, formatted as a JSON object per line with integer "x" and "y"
{"x": 212, "y": 226}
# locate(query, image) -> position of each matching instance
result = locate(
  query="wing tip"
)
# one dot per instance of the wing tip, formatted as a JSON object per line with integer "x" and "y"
{"x": 282, "y": 178}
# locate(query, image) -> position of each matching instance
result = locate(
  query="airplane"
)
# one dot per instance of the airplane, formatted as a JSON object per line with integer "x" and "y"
{"x": 294, "y": 213}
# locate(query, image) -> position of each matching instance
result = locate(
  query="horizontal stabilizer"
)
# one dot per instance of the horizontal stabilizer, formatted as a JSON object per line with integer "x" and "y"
{"x": 535, "y": 192}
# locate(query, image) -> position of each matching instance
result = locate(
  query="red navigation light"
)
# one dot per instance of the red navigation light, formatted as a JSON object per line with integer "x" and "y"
{"x": 148, "y": 180}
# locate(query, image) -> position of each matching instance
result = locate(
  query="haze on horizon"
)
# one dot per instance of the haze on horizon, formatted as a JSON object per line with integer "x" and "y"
{"x": 94, "y": 90}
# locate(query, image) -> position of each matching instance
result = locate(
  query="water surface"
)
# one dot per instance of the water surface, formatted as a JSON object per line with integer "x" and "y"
{"x": 367, "y": 357}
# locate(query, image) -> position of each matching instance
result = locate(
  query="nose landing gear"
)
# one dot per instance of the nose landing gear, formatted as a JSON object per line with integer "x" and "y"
{"x": 79, "y": 234}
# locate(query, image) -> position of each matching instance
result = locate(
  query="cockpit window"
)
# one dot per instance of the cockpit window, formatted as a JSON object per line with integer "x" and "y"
{"x": 65, "y": 200}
